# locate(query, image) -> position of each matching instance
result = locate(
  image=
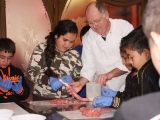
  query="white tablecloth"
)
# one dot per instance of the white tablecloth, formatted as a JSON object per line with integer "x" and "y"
{"x": 13, "y": 106}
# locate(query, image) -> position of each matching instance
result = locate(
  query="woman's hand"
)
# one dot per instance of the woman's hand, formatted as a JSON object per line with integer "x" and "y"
{"x": 76, "y": 86}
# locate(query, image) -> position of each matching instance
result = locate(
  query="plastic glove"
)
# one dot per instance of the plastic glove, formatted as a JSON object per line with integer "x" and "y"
{"x": 55, "y": 116}
{"x": 67, "y": 78}
{"x": 108, "y": 92}
{"x": 102, "y": 101}
{"x": 55, "y": 83}
{"x": 6, "y": 85}
{"x": 17, "y": 87}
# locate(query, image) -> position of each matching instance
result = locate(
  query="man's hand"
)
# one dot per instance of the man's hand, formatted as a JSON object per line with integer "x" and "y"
{"x": 103, "y": 78}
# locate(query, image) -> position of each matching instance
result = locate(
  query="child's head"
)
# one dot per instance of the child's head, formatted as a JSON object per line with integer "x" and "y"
{"x": 62, "y": 38}
{"x": 83, "y": 31}
{"x": 124, "y": 56}
{"x": 136, "y": 47}
{"x": 125, "y": 60}
{"x": 7, "y": 50}
{"x": 151, "y": 27}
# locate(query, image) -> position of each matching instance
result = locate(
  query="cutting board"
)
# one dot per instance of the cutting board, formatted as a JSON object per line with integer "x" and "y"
{"x": 77, "y": 115}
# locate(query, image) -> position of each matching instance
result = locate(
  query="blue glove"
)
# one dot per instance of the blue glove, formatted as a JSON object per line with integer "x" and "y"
{"x": 17, "y": 87}
{"x": 55, "y": 83}
{"x": 56, "y": 116}
{"x": 6, "y": 85}
{"x": 102, "y": 101}
{"x": 67, "y": 78}
{"x": 108, "y": 92}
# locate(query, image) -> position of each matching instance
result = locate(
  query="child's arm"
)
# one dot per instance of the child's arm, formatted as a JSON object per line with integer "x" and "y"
{"x": 131, "y": 87}
{"x": 36, "y": 67}
{"x": 25, "y": 91}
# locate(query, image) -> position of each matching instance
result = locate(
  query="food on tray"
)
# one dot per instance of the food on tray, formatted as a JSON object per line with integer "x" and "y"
{"x": 60, "y": 101}
{"x": 94, "y": 112}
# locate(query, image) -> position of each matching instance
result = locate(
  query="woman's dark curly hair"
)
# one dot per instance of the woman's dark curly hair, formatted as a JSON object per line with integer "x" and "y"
{"x": 63, "y": 27}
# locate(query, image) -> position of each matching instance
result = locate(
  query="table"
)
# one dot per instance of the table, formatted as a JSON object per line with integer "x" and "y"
{"x": 13, "y": 106}
{"x": 58, "y": 112}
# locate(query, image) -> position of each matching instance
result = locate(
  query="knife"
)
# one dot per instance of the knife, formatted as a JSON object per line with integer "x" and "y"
{"x": 63, "y": 82}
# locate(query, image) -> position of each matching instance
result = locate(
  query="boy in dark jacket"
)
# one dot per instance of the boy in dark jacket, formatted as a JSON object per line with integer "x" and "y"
{"x": 146, "y": 107}
{"x": 13, "y": 87}
{"x": 146, "y": 81}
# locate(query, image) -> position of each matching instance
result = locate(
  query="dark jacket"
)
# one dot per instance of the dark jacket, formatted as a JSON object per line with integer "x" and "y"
{"x": 10, "y": 96}
{"x": 145, "y": 81}
{"x": 131, "y": 87}
{"x": 148, "y": 79}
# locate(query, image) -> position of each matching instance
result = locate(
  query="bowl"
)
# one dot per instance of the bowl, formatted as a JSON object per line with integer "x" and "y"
{"x": 6, "y": 114}
{"x": 28, "y": 117}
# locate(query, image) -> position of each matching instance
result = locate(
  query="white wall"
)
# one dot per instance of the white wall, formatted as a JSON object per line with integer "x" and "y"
{"x": 27, "y": 25}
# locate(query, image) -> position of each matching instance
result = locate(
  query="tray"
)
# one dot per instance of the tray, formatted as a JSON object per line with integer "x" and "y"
{"x": 77, "y": 115}
{"x": 48, "y": 102}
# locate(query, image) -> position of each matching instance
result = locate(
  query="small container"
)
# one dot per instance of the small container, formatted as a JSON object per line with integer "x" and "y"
{"x": 6, "y": 114}
{"x": 93, "y": 89}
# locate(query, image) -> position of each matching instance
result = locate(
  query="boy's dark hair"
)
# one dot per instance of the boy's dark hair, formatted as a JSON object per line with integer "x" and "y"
{"x": 135, "y": 40}
{"x": 7, "y": 45}
{"x": 84, "y": 30}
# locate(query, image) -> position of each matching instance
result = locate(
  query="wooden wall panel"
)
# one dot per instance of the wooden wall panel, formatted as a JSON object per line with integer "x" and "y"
{"x": 124, "y": 3}
{"x": 2, "y": 19}
{"x": 54, "y": 9}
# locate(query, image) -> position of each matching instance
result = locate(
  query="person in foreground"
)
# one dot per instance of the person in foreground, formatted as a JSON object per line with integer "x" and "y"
{"x": 146, "y": 107}
{"x": 147, "y": 78}
{"x": 101, "y": 61}
{"x": 13, "y": 87}
{"x": 54, "y": 59}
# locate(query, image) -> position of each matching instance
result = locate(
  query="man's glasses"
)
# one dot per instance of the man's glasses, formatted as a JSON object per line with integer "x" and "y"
{"x": 96, "y": 21}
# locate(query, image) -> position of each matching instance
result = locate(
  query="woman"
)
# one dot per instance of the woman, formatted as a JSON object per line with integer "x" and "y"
{"x": 54, "y": 59}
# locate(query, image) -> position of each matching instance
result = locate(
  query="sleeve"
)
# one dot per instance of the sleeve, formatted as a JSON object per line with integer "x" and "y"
{"x": 36, "y": 67}
{"x": 126, "y": 94}
{"x": 88, "y": 69}
{"x": 26, "y": 89}
{"x": 2, "y": 94}
{"x": 116, "y": 101}
{"x": 127, "y": 29}
{"x": 150, "y": 82}
{"x": 123, "y": 95}
{"x": 78, "y": 67}
{"x": 124, "y": 28}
